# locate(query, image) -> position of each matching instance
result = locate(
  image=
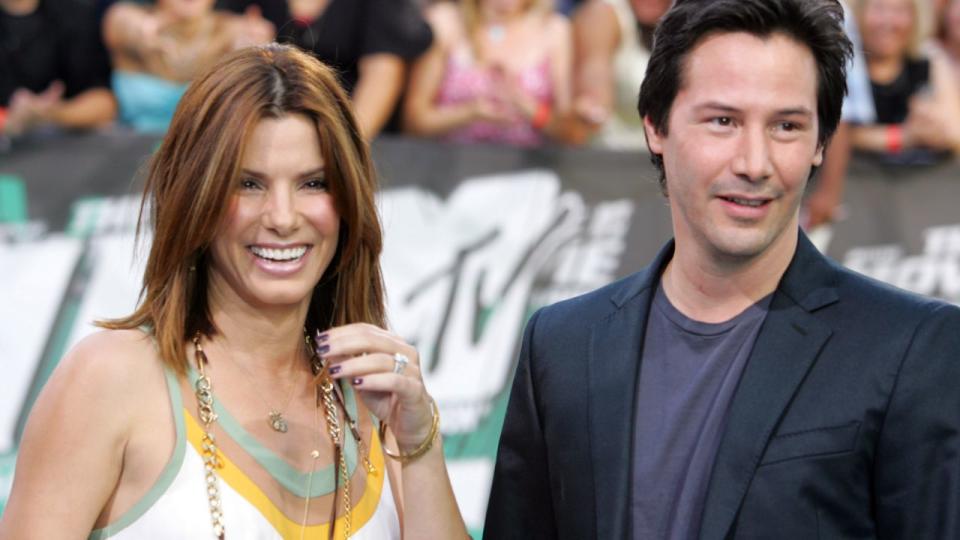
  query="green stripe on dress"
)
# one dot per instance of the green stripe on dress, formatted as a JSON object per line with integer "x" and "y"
{"x": 289, "y": 477}
{"x": 166, "y": 477}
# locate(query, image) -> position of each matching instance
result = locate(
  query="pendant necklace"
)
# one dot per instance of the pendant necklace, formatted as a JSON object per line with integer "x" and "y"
{"x": 314, "y": 456}
{"x": 327, "y": 394}
{"x": 275, "y": 417}
{"x": 496, "y": 32}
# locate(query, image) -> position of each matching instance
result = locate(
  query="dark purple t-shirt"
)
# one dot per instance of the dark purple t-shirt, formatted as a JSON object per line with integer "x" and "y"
{"x": 688, "y": 375}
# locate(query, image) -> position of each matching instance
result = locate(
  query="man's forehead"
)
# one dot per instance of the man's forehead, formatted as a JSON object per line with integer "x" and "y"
{"x": 732, "y": 64}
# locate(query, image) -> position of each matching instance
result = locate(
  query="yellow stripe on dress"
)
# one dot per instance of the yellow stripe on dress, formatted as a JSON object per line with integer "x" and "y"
{"x": 360, "y": 513}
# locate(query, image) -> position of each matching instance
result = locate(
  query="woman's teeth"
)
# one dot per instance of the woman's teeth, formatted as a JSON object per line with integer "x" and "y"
{"x": 286, "y": 254}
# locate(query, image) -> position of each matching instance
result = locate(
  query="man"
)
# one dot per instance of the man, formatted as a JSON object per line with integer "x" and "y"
{"x": 742, "y": 386}
{"x": 53, "y": 67}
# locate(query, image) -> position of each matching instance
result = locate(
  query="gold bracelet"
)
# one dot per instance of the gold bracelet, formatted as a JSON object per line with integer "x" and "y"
{"x": 425, "y": 446}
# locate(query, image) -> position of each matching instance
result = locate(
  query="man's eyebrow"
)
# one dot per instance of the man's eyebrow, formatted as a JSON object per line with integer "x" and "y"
{"x": 257, "y": 174}
{"x": 796, "y": 111}
{"x": 722, "y": 107}
{"x": 716, "y": 106}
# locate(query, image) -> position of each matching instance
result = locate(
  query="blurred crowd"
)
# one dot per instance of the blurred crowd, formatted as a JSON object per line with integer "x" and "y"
{"x": 516, "y": 72}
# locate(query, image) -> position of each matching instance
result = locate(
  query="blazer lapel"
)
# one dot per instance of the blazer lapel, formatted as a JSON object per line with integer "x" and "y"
{"x": 786, "y": 348}
{"x": 612, "y": 371}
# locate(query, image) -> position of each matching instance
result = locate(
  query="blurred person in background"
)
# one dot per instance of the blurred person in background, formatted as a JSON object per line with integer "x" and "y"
{"x": 567, "y": 7}
{"x": 158, "y": 49}
{"x": 823, "y": 204}
{"x": 916, "y": 97}
{"x": 948, "y": 35}
{"x": 53, "y": 68}
{"x": 613, "y": 39}
{"x": 370, "y": 44}
{"x": 499, "y": 71}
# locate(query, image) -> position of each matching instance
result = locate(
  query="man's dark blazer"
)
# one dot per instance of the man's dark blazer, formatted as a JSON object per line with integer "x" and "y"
{"x": 845, "y": 423}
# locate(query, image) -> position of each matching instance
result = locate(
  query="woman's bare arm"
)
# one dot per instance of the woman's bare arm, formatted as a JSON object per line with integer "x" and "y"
{"x": 380, "y": 82}
{"x": 421, "y": 115}
{"x": 72, "y": 451}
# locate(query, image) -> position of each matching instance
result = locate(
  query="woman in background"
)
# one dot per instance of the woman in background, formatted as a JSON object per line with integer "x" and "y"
{"x": 156, "y": 50}
{"x": 499, "y": 71}
{"x": 916, "y": 97}
{"x": 255, "y": 392}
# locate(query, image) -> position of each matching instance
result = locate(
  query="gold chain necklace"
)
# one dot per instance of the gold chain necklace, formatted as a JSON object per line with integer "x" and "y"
{"x": 327, "y": 393}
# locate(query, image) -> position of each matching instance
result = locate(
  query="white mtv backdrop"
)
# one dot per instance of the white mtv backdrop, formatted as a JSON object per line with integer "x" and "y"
{"x": 462, "y": 274}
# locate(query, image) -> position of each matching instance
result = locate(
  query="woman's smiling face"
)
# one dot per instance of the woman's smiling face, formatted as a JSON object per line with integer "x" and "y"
{"x": 887, "y": 27}
{"x": 280, "y": 232}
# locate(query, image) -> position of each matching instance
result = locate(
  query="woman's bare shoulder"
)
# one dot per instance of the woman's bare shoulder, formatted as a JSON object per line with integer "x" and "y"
{"x": 446, "y": 21}
{"x": 119, "y": 18}
{"x": 557, "y": 26}
{"x": 96, "y": 396}
{"x": 121, "y": 361}
{"x": 126, "y": 348}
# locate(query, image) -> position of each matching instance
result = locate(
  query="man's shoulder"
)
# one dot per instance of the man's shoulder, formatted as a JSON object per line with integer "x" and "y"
{"x": 869, "y": 308}
{"x": 586, "y": 309}
{"x": 872, "y": 295}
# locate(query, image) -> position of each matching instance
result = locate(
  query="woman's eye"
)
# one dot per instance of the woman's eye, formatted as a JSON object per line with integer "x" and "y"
{"x": 315, "y": 183}
{"x": 249, "y": 183}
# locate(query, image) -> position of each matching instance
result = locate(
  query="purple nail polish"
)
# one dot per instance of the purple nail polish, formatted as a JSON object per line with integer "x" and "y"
{"x": 323, "y": 349}
{"x": 322, "y": 336}
{"x": 358, "y": 381}
{"x": 334, "y": 370}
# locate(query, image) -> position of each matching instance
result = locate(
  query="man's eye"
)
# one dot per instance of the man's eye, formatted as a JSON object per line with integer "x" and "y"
{"x": 789, "y": 126}
{"x": 723, "y": 121}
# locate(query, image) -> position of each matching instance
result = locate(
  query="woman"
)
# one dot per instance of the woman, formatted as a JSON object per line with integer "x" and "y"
{"x": 499, "y": 71}
{"x": 156, "y": 50}
{"x": 242, "y": 397}
{"x": 917, "y": 100}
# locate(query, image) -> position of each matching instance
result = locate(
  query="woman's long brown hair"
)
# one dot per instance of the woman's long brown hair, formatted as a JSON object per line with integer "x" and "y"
{"x": 194, "y": 174}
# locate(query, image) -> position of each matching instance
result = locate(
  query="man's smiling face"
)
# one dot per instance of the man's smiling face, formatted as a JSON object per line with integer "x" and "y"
{"x": 740, "y": 144}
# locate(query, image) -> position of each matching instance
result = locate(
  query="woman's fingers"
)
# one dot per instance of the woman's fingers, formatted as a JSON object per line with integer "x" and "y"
{"x": 366, "y": 364}
{"x": 385, "y": 371}
{"x": 353, "y": 340}
{"x": 407, "y": 389}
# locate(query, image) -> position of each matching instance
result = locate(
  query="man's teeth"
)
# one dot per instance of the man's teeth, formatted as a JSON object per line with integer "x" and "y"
{"x": 747, "y": 202}
{"x": 286, "y": 254}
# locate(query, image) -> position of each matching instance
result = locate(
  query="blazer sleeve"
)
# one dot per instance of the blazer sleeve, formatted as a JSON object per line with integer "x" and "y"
{"x": 520, "y": 503}
{"x": 917, "y": 466}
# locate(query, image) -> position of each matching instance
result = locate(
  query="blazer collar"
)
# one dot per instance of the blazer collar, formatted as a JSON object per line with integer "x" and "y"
{"x": 612, "y": 371}
{"x": 644, "y": 279}
{"x": 786, "y": 349}
{"x": 809, "y": 280}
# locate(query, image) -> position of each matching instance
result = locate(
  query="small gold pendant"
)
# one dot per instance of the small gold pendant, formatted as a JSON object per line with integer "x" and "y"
{"x": 277, "y": 422}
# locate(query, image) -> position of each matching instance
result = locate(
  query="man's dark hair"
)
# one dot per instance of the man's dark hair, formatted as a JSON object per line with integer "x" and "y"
{"x": 818, "y": 24}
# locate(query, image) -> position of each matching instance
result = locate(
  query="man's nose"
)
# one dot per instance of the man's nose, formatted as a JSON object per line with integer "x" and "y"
{"x": 752, "y": 161}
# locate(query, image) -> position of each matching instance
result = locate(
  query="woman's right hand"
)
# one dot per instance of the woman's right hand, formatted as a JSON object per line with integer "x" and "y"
{"x": 925, "y": 126}
{"x": 483, "y": 109}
